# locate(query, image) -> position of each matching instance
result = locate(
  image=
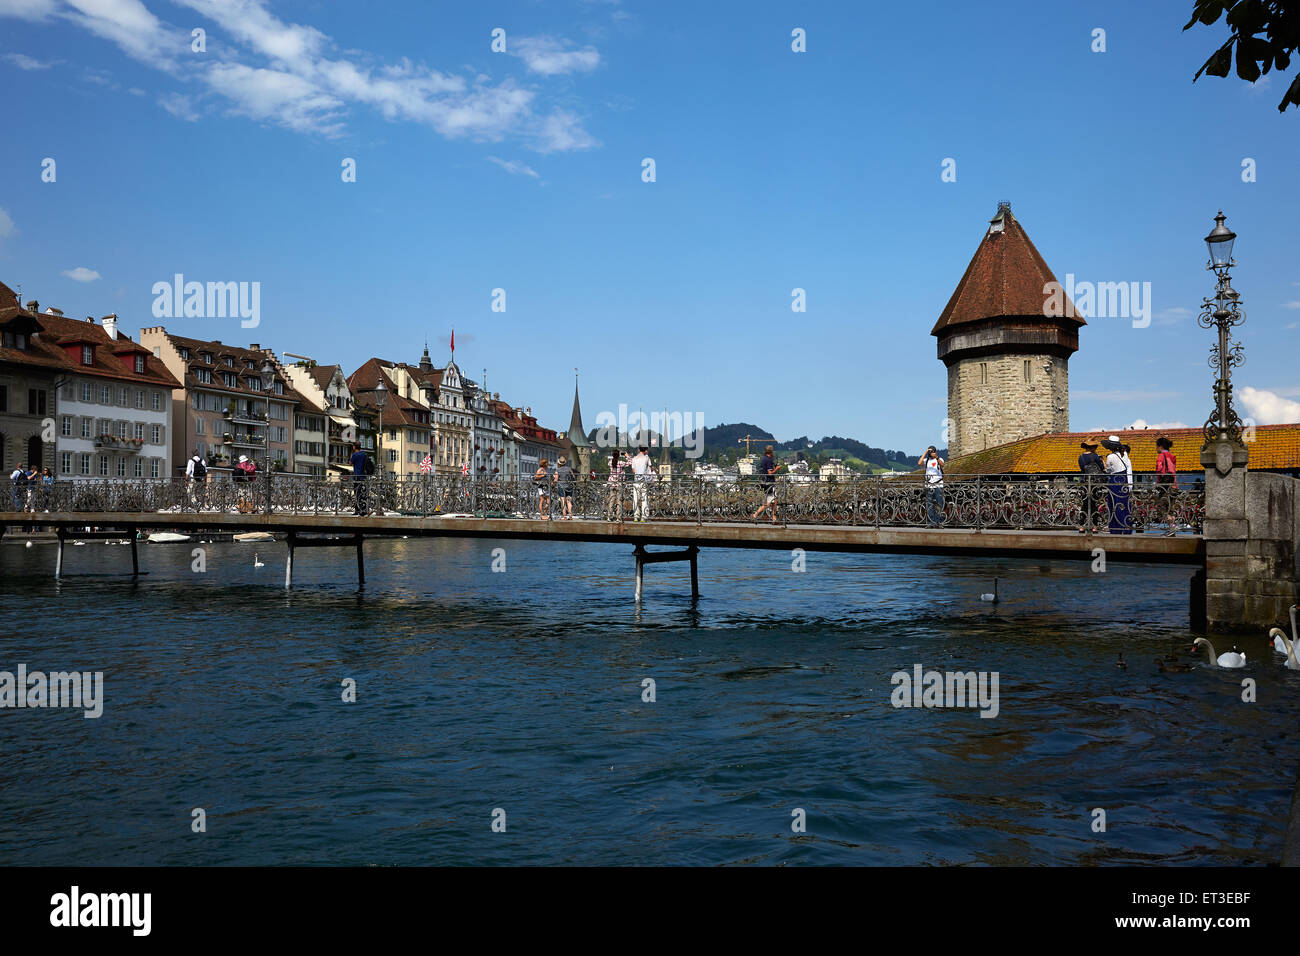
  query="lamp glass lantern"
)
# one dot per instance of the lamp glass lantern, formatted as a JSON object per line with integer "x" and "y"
{"x": 1219, "y": 242}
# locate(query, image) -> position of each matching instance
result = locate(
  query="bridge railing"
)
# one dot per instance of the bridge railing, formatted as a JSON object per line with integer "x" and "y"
{"x": 1042, "y": 502}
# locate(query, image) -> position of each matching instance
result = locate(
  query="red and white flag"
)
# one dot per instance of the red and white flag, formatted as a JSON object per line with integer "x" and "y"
{"x": 426, "y": 466}
{"x": 464, "y": 469}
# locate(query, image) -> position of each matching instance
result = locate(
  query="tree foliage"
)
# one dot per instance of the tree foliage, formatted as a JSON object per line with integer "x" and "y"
{"x": 1266, "y": 33}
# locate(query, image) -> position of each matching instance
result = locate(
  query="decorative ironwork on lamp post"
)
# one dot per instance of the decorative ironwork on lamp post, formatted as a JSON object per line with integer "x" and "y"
{"x": 268, "y": 383}
{"x": 1223, "y": 445}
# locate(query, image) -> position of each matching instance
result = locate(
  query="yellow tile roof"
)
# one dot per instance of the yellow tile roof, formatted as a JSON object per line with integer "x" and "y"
{"x": 1273, "y": 448}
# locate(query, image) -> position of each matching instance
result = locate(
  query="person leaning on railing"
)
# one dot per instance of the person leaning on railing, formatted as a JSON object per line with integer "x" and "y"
{"x": 1167, "y": 482}
{"x": 618, "y": 460}
{"x": 1091, "y": 467}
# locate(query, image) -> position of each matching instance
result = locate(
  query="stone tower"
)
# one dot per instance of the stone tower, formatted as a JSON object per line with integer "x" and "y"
{"x": 1006, "y": 337}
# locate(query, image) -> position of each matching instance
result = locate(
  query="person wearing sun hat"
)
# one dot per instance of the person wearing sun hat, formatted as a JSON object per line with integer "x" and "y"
{"x": 1167, "y": 481}
{"x": 1117, "y": 487}
{"x": 1091, "y": 467}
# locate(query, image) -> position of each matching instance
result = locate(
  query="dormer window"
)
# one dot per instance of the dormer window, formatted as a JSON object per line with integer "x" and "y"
{"x": 207, "y": 358}
{"x": 15, "y": 340}
{"x": 230, "y": 363}
{"x": 87, "y": 355}
{"x": 185, "y": 353}
{"x": 139, "y": 365}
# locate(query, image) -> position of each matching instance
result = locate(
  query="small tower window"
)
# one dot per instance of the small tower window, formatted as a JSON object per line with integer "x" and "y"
{"x": 1026, "y": 371}
{"x": 984, "y": 373}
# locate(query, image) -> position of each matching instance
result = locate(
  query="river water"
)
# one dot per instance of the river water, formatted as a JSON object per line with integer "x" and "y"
{"x": 518, "y": 695}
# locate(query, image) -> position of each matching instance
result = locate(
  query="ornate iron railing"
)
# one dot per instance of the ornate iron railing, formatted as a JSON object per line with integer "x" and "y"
{"x": 1042, "y": 502}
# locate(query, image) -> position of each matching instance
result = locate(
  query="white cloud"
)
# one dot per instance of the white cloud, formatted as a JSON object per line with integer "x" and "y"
{"x": 551, "y": 57}
{"x": 1291, "y": 325}
{"x": 275, "y": 95}
{"x": 514, "y": 167}
{"x": 25, "y": 62}
{"x": 27, "y": 9}
{"x": 1268, "y": 408}
{"x": 561, "y": 132}
{"x": 1293, "y": 304}
{"x": 82, "y": 274}
{"x": 303, "y": 83}
{"x": 7, "y": 227}
{"x": 179, "y": 105}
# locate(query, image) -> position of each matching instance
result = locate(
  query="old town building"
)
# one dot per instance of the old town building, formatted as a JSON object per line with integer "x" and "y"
{"x": 221, "y": 411}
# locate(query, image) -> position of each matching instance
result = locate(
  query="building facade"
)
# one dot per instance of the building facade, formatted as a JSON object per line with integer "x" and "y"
{"x": 29, "y": 370}
{"x": 78, "y": 397}
{"x": 326, "y": 388}
{"x": 220, "y": 411}
{"x": 114, "y": 403}
{"x": 1005, "y": 346}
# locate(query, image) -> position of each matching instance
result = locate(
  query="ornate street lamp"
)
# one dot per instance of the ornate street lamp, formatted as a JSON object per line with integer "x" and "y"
{"x": 268, "y": 382}
{"x": 381, "y": 399}
{"x": 1223, "y": 446}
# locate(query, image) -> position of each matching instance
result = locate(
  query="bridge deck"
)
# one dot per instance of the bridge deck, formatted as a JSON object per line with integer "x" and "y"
{"x": 1182, "y": 549}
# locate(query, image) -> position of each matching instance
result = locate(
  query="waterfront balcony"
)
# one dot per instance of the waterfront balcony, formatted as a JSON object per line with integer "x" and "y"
{"x": 245, "y": 441}
{"x": 244, "y": 417}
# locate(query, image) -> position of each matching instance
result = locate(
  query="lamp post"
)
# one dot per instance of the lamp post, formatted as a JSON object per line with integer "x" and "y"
{"x": 1223, "y": 446}
{"x": 381, "y": 399}
{"x": 268, "y": 381}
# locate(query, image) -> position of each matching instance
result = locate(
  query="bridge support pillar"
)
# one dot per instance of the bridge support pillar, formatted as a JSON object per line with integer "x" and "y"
{"x": 644, "y": 557}
{"x": 58, "y": 560}
{"x": 135, "y": 555}
{"x": 1252, "y": 533}
{"x": 294, "y": 542}
{"x": 288, "y": 564}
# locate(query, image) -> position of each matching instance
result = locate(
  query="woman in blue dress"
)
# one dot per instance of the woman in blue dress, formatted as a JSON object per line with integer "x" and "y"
{"x": 1117, "y": 486}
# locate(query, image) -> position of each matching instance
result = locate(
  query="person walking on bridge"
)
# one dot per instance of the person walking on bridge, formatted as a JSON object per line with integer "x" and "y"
{"x": 361, "y": 467}
{"x": 196, "y": 475}
{"x": 767, "y": 468}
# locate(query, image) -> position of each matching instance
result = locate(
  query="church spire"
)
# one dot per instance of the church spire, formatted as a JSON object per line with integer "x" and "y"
{"x": 577, "y": 434}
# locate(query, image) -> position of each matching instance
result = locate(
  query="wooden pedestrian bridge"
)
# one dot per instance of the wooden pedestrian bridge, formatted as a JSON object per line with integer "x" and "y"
{"x": 982, "y": 515}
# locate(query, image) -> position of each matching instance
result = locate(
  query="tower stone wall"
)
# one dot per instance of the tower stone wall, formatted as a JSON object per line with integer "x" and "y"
{"x": 990, "y": 402}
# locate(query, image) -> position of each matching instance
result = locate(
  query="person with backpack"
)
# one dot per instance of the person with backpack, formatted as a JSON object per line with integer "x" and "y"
{"x": 196, "y": 474}
{"x": 19, "y": 479}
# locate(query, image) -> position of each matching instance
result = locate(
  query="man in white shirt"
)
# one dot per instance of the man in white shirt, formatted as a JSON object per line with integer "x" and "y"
{"x": 933, "y": 484}
{"x": 18, "y": 479}
{"x": 196, "y": 474}
{"x": 641, "y": 484}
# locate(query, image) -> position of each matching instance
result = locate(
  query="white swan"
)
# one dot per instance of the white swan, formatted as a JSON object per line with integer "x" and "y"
{"x": 1280, "y": 639}
{"x": 1232, "y": 658}
{"x": 257, "y": 562}
{"x": 991, "y": 597}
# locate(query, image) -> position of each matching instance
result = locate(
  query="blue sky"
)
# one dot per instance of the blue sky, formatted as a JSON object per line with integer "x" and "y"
{"x": 774, "y": 170}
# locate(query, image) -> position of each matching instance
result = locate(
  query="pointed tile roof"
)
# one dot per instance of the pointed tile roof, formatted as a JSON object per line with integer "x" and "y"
{"x": 1005, "y": 277}
{"x": 577, "y": 434}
